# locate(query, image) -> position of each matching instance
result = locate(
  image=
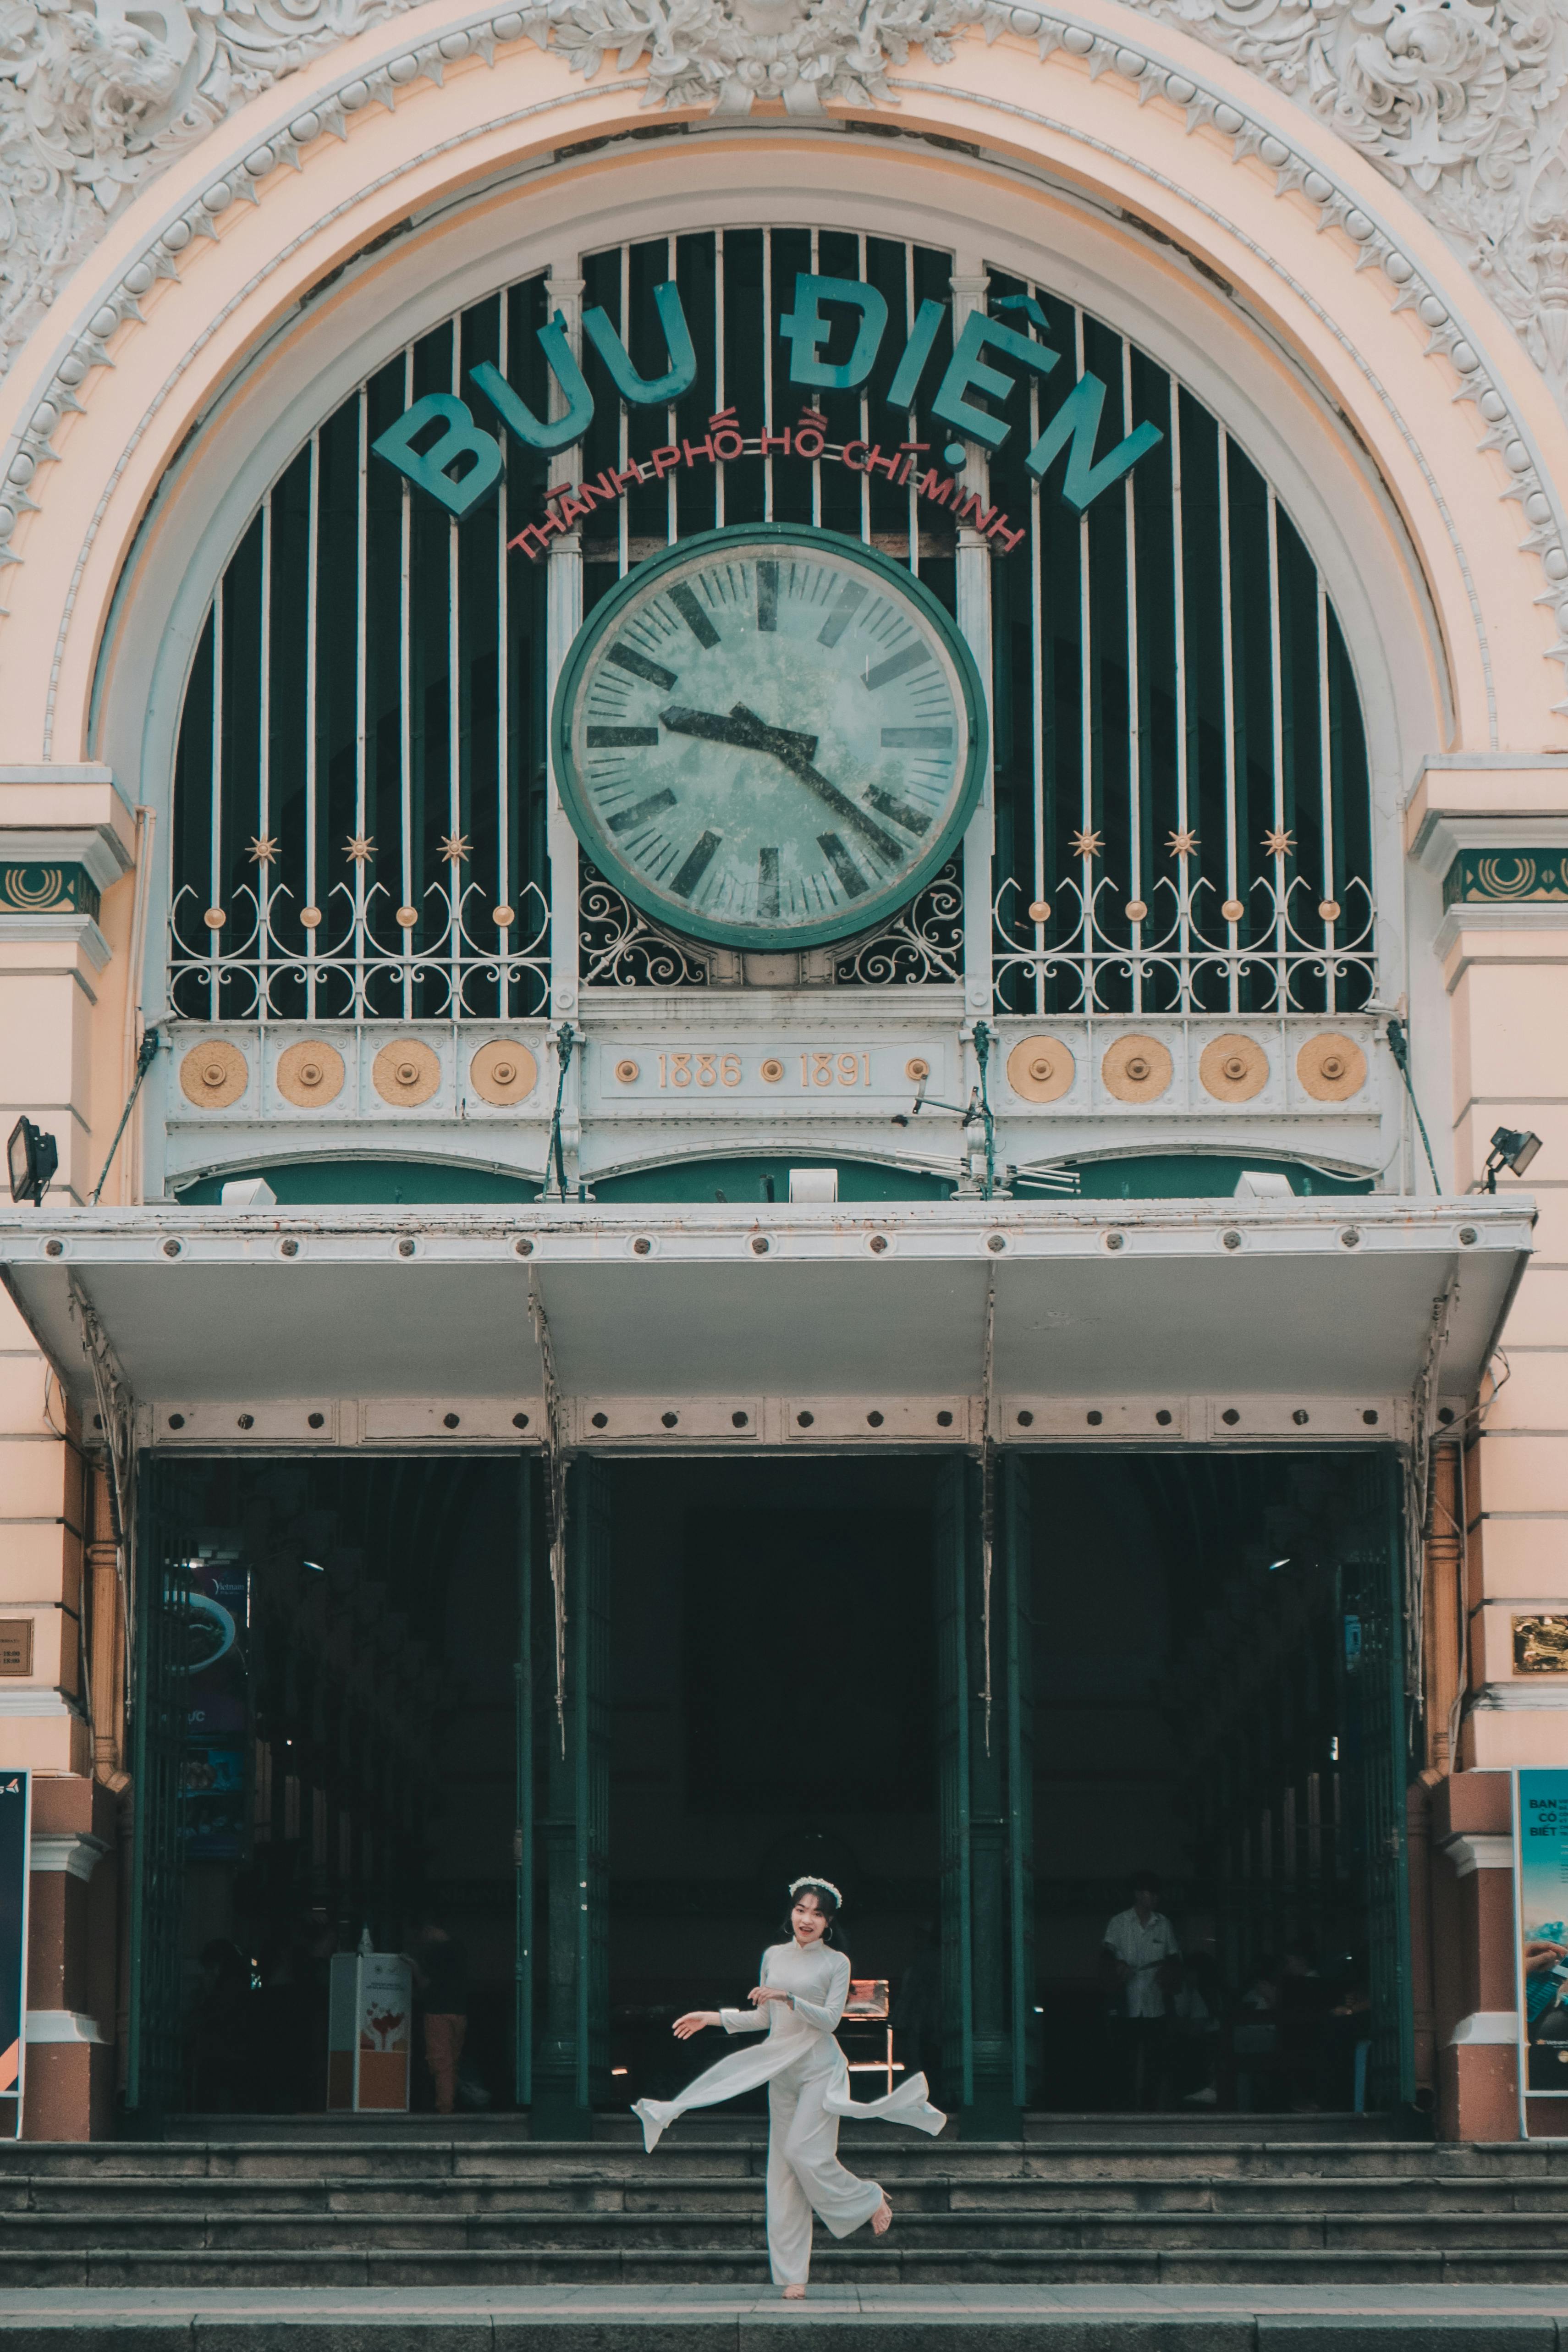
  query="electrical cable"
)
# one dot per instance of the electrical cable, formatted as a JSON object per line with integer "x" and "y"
{"x": 144, "y": 1061}
{"x": 1399, "y": 1046}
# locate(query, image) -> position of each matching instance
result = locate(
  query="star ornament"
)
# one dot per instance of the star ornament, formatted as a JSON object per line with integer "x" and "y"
{"x": 455, "y": 848}
{"x": 1278, "y": 843}
{"x": 1087, "y": 844}
{"x": 1182, "y": 843}
{"x": 262, "y": 849}
{"x": 359, "y": 849}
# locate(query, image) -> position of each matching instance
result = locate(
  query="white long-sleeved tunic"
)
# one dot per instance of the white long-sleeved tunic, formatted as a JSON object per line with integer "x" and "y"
{"x": 807, "y": 2094}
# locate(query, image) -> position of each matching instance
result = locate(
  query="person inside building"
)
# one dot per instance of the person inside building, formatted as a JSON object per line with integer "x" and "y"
{"x": 1141, "y": 1957}
{"x": 441, "y": 1980}
{"x": 799, "y": 1999}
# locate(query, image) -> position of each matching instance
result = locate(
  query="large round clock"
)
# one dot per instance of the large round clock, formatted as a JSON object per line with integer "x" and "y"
{"x": 769, "y": 737}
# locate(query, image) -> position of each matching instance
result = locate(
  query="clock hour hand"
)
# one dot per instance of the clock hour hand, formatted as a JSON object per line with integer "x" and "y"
{"x": 742, "y": 730}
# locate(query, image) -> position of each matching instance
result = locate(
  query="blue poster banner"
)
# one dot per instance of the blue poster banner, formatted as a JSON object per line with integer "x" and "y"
{"x": 1542, "y": 1823}
{"x": 15, "y": 1821}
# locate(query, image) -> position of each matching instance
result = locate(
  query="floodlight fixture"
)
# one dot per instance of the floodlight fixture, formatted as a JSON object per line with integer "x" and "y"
{"x": 32, "y": 1157}
{"x": 1511, "y": 1147}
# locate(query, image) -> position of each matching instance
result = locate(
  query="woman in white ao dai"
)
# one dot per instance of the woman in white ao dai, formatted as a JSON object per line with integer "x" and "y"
{"x": 799, "y": 1999}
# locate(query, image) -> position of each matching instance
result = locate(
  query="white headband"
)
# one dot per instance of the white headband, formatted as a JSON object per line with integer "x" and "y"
{"x": 825, "y": 1884}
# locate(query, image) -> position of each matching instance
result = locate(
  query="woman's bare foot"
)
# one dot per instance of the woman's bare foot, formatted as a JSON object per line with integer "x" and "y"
{"x": 794, "y": 2294}
{"x": 882, "y": 2220}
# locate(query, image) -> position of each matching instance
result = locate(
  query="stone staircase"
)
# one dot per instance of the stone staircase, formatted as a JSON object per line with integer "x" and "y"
{"x": 1151, "y": 2202}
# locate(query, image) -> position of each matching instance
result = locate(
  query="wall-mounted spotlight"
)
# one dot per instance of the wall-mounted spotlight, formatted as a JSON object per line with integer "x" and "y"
{"x": 1511, "y": 1147}
{"x": 314, "y": 1566}
{"x": 33, "y": 1158}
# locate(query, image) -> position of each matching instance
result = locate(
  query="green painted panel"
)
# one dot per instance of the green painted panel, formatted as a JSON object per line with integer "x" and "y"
{"x": 1506, "y": 878}
{"x": 46, "y": 890}
{"x": 746, "y": 1179}
{"x": 366, "y": 1183}
{"x": 1193, "y": 1176}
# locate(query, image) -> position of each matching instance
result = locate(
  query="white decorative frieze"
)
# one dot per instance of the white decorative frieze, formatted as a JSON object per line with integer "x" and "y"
{"x": 1460, "y": 102}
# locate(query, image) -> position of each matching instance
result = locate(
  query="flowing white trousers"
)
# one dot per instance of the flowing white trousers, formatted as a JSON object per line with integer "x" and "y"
{"x": 808, "y": 2093}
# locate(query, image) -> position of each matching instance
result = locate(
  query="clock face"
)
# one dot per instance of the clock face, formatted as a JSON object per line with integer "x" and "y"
{"x": 770, "y": 738}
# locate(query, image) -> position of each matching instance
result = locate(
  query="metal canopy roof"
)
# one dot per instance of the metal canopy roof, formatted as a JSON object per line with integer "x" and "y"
{"x": 214, "y": 1312}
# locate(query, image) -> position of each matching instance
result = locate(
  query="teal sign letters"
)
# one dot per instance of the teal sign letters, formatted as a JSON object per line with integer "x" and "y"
{"x": 437, "y": 445}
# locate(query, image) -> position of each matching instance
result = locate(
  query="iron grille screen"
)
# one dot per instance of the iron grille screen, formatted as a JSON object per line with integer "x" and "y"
{"x": 1184, "y": 817}
{"x": 1183, "y": 811}
{"x": 358, "y": 797}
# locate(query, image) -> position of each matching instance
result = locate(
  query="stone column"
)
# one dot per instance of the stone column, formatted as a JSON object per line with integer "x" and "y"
{"x": 563, "y": 620}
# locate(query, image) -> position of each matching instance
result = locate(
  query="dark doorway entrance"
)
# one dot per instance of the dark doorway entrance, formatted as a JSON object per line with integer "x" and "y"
{"x": 774, "y": 1681}
{"x": 1219, "y": 1705}
{"x": 324, "y": 1714}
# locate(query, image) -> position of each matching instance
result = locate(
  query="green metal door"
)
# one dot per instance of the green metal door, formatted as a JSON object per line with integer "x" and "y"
{"x": 1377, "y": 1768}
{"x": 590, "y": 1741}
{"x": 571, "y": 2069}
{"x": 159, "y": 1707}
{"x": 1016, "y": 1566}
{"x": 523, "y": 1962}
{"x": 950, "y": 1541}
{"x": 985, "y": 1768}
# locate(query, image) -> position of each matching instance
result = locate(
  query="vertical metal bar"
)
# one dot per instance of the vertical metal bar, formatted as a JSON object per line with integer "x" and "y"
{"x": 1228, "y": 674}
{"x": 1325, "y": 770}
{"x": 1277, "y": 722}
{"x": 455, "y": 729}
{"x": 911, "y": 494}
{"x": 523, "y": 2046}
{"x": 1086, "y": 711}
{"x": 718, "y": 364}
{"x": 405, "y": 705}
{"x": 215, "y": 802}
{"x": 1135, "y": 735}
{"x": 624, "y": 549}
{"x": 361, "y": 692}
{"x": 1038, "y": 877}
{"x": 865, "y": 394}
{"x": 1179, "y": 594}
{"x": 264, "y": 762}
{"x": 508, "y": 940}
{"x": 767, "y": 368}
{"x": 312, "y": 550}
{"x": 672, "y": 511}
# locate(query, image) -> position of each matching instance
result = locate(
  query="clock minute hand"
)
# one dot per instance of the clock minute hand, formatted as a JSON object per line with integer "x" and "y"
{"x": 851, "y": 813}
{"x": 745, "y": 731}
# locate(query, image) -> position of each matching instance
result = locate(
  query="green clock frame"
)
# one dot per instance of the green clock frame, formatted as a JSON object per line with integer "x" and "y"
{"x": 759, "y": 937}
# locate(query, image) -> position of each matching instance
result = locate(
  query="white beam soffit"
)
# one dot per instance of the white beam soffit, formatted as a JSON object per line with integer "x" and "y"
{"x": 1327, "y": 1299}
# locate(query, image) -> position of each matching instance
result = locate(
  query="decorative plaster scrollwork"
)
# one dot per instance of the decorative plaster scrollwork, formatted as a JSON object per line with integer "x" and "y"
{"x": 1460, "y": 102}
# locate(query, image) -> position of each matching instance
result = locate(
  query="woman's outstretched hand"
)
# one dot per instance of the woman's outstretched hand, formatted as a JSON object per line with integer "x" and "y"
{"x": 694, "y": 2021}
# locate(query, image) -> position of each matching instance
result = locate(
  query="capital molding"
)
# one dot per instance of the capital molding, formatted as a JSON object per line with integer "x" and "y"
{"x": 1475, "y": 1852}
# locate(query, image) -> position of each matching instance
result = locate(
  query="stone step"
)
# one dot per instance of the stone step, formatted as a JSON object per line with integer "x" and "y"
{"x": 973, "y": 2236}
{"x": 91, "y": 2202}
{"x": 1149, "y": 2316}
{"x": 895, "y": 2155}
{"x": 472, "y": 2272}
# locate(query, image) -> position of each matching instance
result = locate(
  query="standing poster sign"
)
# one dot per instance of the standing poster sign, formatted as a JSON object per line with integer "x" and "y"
{"x": 370, "y": 2031}
{"x": 16, "y": 1824}
{"x": 1541, "y": 1878}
